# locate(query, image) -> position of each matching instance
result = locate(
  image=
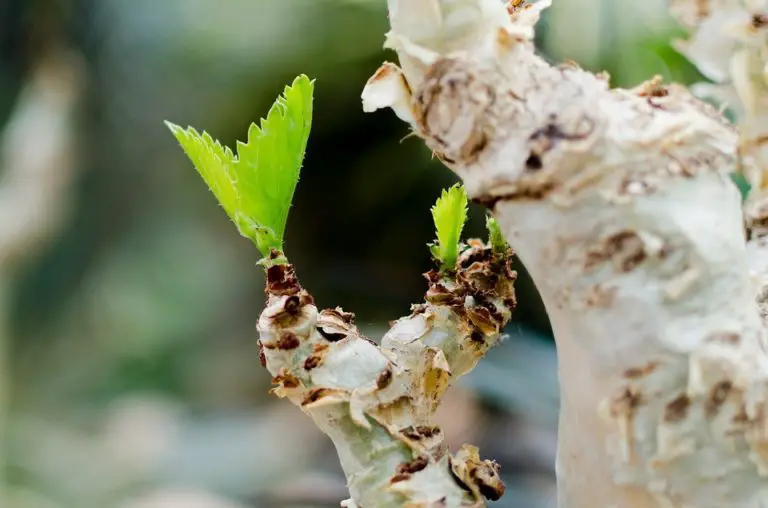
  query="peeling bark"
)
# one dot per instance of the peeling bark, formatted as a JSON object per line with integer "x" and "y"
{"x": 377, "y": 402}
{"x": 620, "y": 205}
{"x": 729, "y": 44}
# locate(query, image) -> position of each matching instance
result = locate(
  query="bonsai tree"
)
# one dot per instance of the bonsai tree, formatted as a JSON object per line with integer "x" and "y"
{"x": 621, "y": 205}
{"x": 375, "y": 402}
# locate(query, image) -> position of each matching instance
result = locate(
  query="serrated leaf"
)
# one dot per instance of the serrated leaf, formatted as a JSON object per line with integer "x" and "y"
{"x": 268, "y": 164}
{"x": 449, "y": 214}
{"x": 212, "y": 161}
{"x": 256, "y": 186}
{"x": 495, "y": 236}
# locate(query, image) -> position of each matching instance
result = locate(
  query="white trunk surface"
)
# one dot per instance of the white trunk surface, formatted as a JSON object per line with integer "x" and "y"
{"x": 620, "y": 205}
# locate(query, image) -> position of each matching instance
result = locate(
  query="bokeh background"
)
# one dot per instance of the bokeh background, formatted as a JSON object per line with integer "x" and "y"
{"x": 129, "y": 375}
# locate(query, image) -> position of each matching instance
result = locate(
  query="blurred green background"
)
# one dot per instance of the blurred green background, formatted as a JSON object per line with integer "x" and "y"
{"x": 129, "y": 375}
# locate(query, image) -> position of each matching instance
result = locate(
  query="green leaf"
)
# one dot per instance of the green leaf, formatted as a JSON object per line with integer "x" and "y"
{"x": 212, "y": 161}
{"x": 495, "y": 236}
{"x": 256, "y": 186}
{"x": 449, "y": 214}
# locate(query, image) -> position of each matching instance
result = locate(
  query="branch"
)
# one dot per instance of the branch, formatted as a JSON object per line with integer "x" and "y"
{"x": 620, "y": 205}
{"x": 376, "y": 402}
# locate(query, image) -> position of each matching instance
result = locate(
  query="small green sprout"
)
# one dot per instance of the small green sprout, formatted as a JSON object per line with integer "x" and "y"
{"x": 495, "y": 236}
{"x": 449, "y": 214}
{"x": 256, "y": 186}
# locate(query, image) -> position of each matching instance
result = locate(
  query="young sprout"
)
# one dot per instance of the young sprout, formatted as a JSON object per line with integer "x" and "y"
{"x": 495, "y": 236}
{"x": 255, "y": 187}
{"x": 449, "y": 214}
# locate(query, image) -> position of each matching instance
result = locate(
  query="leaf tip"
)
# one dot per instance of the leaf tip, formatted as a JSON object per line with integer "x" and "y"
{"x": 177, "y": 131}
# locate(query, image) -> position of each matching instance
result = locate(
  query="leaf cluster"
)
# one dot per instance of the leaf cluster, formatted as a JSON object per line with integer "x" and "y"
{"x": 255, "y": 186}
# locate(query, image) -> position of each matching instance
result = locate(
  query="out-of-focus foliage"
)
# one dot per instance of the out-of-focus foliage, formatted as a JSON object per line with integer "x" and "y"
{"x": 135, "y": 375}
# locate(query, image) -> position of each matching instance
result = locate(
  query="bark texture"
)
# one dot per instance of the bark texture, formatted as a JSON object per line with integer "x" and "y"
{"x": 376, "y": 402}
{"x": 729, "y": 44}
{"x": 620, "y": 204}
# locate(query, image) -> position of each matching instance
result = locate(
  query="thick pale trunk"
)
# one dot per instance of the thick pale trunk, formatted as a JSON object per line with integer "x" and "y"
{"x": 620, "y": 205}
{"x": 656, "y": 348}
